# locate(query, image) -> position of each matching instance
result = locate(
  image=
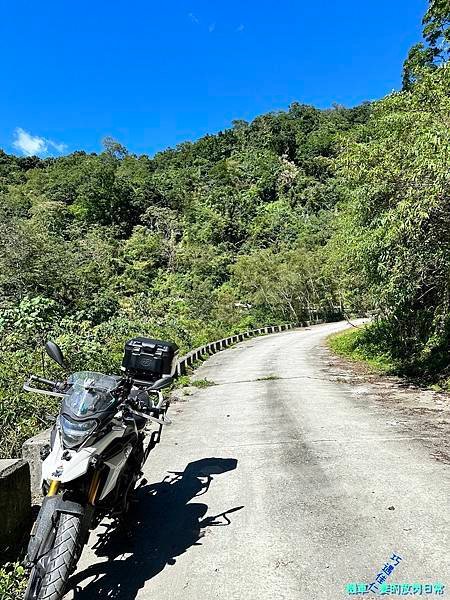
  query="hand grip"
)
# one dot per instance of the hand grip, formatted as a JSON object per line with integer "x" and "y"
{"x": 43, "y": 380}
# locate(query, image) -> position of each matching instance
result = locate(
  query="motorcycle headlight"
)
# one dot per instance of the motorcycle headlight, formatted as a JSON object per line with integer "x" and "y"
{"x": 75, "y": 432}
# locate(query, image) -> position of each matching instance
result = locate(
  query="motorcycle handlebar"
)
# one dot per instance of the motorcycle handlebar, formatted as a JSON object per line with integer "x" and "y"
{"x": 54, "y": 384}
{"x": 43, "y": 380}
{"x": 164, "y": 421}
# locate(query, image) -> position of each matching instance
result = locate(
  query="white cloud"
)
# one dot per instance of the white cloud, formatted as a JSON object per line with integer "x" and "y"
{"x": 193, "y": 18}
{"x": 212, "y": 27}
{"x": 59, "y": 147}
{"x": 33, "y": 144}
{"x": 29, "y": 144}
{"x": 240, "y": 28}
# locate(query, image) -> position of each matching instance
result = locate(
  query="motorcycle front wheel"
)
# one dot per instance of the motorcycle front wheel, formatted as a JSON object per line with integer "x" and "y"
{"x": 51, "y": 583}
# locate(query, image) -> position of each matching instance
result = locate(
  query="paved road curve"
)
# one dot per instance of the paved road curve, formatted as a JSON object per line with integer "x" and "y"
{"x": 276, "y": 488}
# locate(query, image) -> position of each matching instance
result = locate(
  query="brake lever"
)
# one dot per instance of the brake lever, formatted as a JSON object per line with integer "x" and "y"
{"x": 165, "y": 421}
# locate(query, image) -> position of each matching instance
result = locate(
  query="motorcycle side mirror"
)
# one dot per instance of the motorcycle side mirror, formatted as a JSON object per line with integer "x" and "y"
{"x": 55, "y": 352}
{"x": 164, "y": 382}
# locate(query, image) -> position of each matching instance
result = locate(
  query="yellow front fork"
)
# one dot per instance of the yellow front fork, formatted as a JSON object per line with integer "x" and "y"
{"x": 93, "y": 488}
{"x": 54, "y": 487}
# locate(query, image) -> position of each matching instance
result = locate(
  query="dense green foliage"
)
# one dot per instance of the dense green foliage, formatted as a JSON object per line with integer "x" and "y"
{"x": 294, "y": 214}
{"x": 207, "y": 239}
{"x": 393, "y": 234}
{"x": 425, "y": 57}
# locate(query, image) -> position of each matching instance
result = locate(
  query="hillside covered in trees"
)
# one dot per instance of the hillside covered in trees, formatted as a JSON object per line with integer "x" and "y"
{"x": 296, "y": 213}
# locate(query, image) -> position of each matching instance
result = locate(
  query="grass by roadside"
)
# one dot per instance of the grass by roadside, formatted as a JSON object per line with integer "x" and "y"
{"x": 12, "y": 581}
{"x": 364, "y": 345}
{"x": 353, "y": 344}
{"x": 202, "y": 383}
{"x": 187, "y": 381}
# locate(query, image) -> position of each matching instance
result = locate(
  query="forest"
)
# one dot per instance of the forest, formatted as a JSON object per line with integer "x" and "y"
{"x": 298, "y": 213}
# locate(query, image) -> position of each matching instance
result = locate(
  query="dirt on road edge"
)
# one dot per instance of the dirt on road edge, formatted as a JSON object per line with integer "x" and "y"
{"x": 422, "y": 412}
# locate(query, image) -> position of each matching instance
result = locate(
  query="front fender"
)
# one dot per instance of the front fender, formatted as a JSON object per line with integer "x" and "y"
{"x": 42, "y": 534}
{"x": 41, "y": 539}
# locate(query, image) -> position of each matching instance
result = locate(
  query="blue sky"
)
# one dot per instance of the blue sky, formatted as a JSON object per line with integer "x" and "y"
{"x": 153, "y": 74}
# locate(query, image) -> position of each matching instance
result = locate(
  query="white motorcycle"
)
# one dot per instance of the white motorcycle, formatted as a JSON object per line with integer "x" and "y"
{"x": 97, "y": 449}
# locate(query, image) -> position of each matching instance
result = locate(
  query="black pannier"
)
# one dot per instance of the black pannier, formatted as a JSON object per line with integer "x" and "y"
{"x": 149, "y": 359}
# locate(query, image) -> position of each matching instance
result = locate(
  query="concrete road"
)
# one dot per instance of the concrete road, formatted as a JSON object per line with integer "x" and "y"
{"x": 286, "y": 487}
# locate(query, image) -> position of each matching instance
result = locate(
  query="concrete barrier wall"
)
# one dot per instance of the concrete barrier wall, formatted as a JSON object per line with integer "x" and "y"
{"x": 15, "y": 505}
{"x": 31, "y": 453}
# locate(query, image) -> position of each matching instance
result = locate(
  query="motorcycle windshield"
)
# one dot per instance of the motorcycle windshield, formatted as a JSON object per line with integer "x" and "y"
{"x": 89, "y": 393}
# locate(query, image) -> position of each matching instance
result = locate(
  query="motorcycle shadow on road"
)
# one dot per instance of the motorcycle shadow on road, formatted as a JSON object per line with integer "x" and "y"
{"x": 163, "y": 524}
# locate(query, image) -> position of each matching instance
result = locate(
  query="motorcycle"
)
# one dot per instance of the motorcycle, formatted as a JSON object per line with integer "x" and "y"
{"x": 102, "y": 437}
